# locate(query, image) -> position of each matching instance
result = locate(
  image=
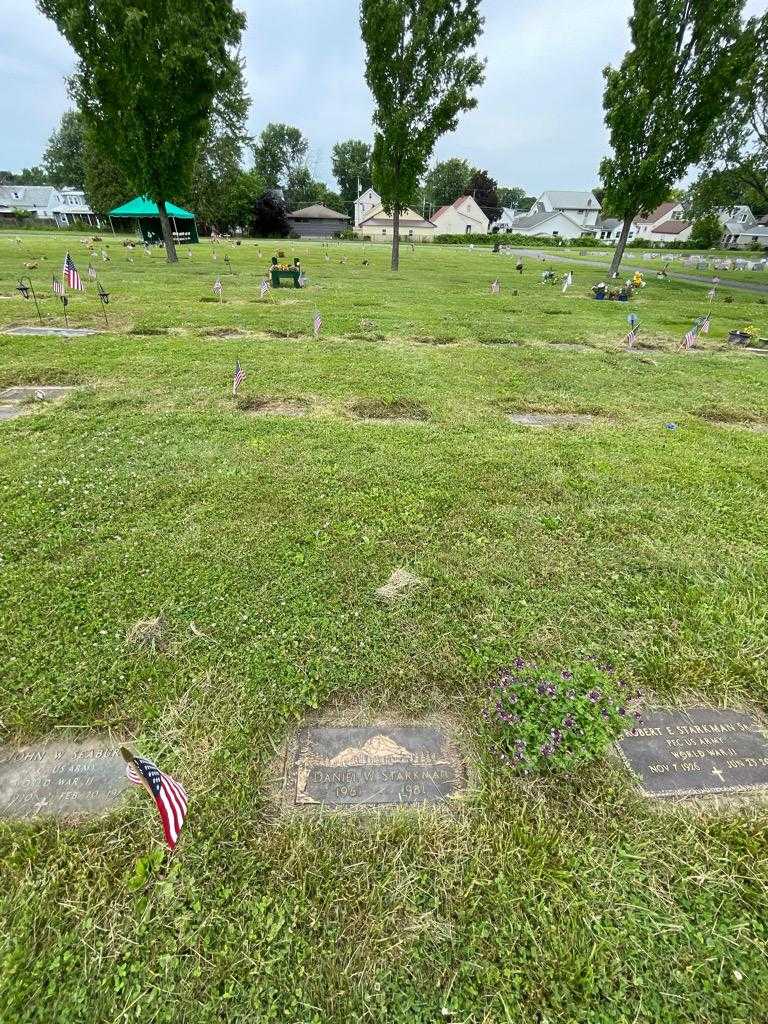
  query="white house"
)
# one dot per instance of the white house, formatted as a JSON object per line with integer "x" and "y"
{"x": 364, "y": 204}
{"x": 742, "y": 229}
{"x": 581, "y": 207}
{"x": 561, "y": 214}
{"x": 462, "y": 217}
{"x": 61, "y": 206}
{"x": 378, "y": 226}
{"x": 664, "y": 224}
{"x": 609, "y": 230}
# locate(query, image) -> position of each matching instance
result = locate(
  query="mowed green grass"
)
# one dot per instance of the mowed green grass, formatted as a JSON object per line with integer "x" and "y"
{"x": 147, "y": 491}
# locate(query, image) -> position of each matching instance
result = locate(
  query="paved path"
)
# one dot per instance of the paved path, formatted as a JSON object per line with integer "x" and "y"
{"x": 628, "y": 265}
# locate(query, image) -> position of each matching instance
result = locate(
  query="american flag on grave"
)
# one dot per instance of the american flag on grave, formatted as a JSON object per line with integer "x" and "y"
{"x": 57, "y": 286}
{"x": 238, "y": 378}
{"x": 170, "y": 796}
{"x": 495, "y": 287}
{"x": 264, "y": 288}
{"x": 217, "y": 286}
{"x": 71, "y": 275}
{"x": 633, "y": 333}
{"x": 317, "y": 324}
{"x": 567, "y": 281}
{"x": 690, "y": 337}
{"x": 91, "y": 272}
{"x": 704, "y": 323}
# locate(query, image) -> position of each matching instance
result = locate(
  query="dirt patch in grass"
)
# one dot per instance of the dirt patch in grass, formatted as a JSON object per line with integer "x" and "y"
{"x": 212, "y": 298}
{"x": 402, "y": 410}
{"x": 41, "y": 375}
{"x": 719, "y": 414}
{"x": 223, "y": 332}
{"x": 442, "y": 339}
{"x": 281, "y": 334}
{"x": 265, "y": 405}
{"x": 498, "y": 341}
{"x": 148, "y": 332}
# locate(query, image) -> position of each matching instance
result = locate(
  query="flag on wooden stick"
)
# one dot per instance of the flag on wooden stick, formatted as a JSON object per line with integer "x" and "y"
{"x": 264, "y": 288}
{"x": 218, "y": 288}
{"x": 495, "y": 287}
{"x": 704, "y": 324}
{"x": 567, "y": 281}
{"x": 57, "y": 286}
{"x": 170, "y": 796}
{"x": 317, "y": 324}
{"x": 634, "y": 330}
{"x": 238, "y": 378}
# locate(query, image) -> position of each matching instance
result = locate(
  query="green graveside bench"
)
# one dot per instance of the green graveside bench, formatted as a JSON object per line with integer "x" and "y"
{"x": 294, "y": 273}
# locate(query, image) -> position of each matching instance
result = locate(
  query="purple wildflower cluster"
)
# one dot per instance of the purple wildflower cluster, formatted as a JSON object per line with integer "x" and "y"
{"x": 533, "y": 720}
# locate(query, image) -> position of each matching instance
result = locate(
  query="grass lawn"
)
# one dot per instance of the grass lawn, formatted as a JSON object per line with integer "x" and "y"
{"x": 560, "y": 899}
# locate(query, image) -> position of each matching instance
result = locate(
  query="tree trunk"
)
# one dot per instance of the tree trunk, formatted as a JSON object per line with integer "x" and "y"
{"x": 395, "y": 239}
{"x": 165, "y": 224}
{"x": 621, "y": 245}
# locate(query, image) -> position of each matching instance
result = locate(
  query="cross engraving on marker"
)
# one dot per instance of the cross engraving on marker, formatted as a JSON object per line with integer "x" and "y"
{"x": 718, "y": 773}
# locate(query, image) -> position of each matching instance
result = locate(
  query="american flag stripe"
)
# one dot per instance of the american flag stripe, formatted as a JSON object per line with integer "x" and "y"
{"x": 170, "y": 796}
{"x": 71, "y": 275}
{"x": 58, "y": 287}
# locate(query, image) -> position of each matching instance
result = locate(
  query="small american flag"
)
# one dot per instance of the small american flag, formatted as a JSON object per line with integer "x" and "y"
{"x": 58, "y": 287}
{"x": 238, "y": 378}
{"x": 495, "y": 287}
{"x": 217, "y": 287}
{"x": 704, "y": 324}
{"x": 633, "y": 333}
{"x": 712, "y": 294}
{"x": 71, "y": 275}
{"x": 317, "y": 323}
{"x": 690, "y": 337}
{"x": 567, "y": 281}
{"x": 264, "y": 288}
{"x": 170, "y": 797}
{"x": 91, "y": 272}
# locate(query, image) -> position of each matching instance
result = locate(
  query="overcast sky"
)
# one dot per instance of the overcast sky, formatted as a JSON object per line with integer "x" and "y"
{"x": 538, "y": 122}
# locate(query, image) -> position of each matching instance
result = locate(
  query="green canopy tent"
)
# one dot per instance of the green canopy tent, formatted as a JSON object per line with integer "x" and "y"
{"x": 146, "y": 213}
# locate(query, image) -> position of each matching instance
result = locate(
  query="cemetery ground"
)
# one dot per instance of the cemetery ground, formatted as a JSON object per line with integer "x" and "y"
{"x": 258, "y": 540}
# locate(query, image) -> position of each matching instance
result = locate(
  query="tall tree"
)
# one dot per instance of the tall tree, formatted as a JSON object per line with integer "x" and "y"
{"x": 511, "y": 197}
{"x": 735, "y": 166}
{"x": 217, "y": 177}
{"x": 279, "y": 150}
{"x": 662, "y": 103}
{"x": 64, "y": 157}
{"x": 351, "y": 163}
{"x": 145, "y": 82}
{"x": 106, "y": 185}
{"x": 421, "y": 68}
{"x": 447, "y": 180}
{"x": 269, "y": 216}
{"x": 28, "y": 176}
{"x": 483, "y": 188}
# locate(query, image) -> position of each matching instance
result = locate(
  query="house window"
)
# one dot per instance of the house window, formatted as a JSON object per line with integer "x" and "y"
{"x": 410, "y": 231}
{"x": 383, "y": 231}
{"x": 468, "y": 229}
{"x": 555, "y": 232}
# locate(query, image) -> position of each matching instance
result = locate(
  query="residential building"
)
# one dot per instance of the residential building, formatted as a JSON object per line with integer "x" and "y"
{"x": 554, "y": 224}
{"x": 317, "y": 221}
{"x": 462, "y": 217}
{"x": 557, "y": 213}
{"x": 741, "y": 229}
{"x": 364, "y": 204}
{"x": 609, "y": 230}
{"x": 61, "y": 207}
{"x": 664, "y": 224}
{"x": 378, "y": 226}
{"x": 581, "y": 207}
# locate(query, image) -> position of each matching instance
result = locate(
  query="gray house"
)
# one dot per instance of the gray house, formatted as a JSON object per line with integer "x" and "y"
{"x": 317, "y": 221}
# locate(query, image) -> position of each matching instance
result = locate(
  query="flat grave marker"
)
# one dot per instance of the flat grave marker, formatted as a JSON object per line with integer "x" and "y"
{"x": 362, "y": 766}
{"x": 551, "y": 419}
{"x": 694, "y": 751}
{"x": 39, "y": 391}
{"x": 56, "y": 332}
{"x": 60, "y": 779}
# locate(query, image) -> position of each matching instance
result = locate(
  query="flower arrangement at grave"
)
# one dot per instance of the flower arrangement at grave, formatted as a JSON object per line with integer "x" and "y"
{"x": 539, "y": 718}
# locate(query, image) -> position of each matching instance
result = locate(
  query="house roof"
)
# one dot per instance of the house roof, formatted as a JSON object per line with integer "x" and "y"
{"x": 408, "y": 217}
{"x": 752, "y": 230}
{"x": 656, "y": 215}
{"x": 535, "y": 220}
{"x": 455, "y": 206}
{"x": 609, "y": 224}
{"x": 672, "y": 227}
{"x": 572, "y": 200}
{"x": 763, "y": 220}
{"x": 317, "y": 212}
{"x": 141, "y": 206}
{"x": 26, "y": 196}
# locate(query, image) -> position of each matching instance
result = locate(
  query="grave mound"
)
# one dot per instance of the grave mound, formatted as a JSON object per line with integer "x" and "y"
{"x": 263, "y": 405}
{"x": 402, "y": 410}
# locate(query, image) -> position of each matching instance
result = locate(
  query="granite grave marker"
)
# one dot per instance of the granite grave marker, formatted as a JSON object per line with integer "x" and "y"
{"x": 355, "y": 766}
{"x": 692, "y": 751}
{"x": 60, "y": 779}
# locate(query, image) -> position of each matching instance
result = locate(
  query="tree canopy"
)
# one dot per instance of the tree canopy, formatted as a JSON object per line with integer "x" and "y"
{"x": 145, "y": 81}
{"x": 483, "y": 188}
{"x": 662, "y": 102}
{"x": 279, "y": 150}
{"x": 447, "y": 180}
{"x": 351, "y": 163}
{"x": 421, "y": 69}
{"x": 64, "y": 157}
